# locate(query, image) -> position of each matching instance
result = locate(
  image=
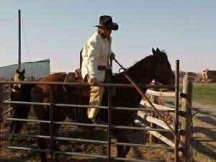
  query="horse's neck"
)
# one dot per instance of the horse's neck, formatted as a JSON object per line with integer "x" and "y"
{"x": 142, "y": 72}
{"x": 130, "y": 96}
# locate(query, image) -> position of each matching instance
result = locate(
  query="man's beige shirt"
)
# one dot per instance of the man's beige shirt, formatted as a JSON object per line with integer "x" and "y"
{"x": 96, "y": 52}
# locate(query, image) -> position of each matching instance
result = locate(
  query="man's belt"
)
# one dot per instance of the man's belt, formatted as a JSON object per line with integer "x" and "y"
{"x": 101, "y": 67}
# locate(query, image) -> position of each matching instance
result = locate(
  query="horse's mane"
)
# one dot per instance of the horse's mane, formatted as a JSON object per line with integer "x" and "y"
{"x": 132, "y": 68}
{"x": 138, "y": 63}
{"x": 136, "y": 67}
{"x": 160, "y": 54}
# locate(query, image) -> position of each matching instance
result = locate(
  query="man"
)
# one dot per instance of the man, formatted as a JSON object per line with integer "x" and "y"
{"x": 96, "y": 54}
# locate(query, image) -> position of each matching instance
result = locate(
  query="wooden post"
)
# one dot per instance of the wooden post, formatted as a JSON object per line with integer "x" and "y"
{"x": 176, "y": 123}
{"x": 1, "y": 111}
{"x": 1, "y": 99}
{"x": 187, "y": 119}
{"x": 152, "y": 139}
{"x": 154, "y": 99}
{"x": 8, "y": 97}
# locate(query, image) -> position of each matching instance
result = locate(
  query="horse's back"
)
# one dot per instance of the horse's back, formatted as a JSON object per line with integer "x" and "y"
{"x": 55, "y": 77}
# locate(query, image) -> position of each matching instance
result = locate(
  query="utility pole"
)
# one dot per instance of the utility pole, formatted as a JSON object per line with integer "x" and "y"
{"x": 19, "y": 40}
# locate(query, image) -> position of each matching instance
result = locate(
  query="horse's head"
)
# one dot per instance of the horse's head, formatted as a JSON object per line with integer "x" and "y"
{"x": 162, "y": 69}
{"x": 19, "y": 76}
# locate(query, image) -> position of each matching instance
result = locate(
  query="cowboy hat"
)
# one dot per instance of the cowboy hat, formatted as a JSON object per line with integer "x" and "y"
{"x": 105, "y": 21}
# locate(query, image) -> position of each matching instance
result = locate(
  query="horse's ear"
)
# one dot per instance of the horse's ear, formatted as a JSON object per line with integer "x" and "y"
{"x": 23, "y": 71}
{"x": 157, "y": 50}
{"x": 153, "y": 51}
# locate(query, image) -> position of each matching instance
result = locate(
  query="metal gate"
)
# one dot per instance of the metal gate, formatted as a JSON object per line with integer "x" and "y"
{"x": 108, "y": 127}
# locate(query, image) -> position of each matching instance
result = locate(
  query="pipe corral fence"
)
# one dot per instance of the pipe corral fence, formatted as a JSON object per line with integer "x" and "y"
{"x": 155, "y": 129}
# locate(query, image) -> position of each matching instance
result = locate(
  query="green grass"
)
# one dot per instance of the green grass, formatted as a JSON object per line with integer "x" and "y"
{"x": 204, "y": 93}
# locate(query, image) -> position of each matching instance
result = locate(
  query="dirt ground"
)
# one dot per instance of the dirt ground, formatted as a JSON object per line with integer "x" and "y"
{"x": 204, "y": 133}
{"x": 203, "y": 142}
{"x": 7, "y": 155}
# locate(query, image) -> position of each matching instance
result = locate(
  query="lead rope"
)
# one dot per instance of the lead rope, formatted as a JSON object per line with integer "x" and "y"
{"x": 146, "y": 98}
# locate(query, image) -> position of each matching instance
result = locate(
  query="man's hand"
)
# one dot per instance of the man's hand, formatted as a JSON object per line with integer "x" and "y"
{"x": 93, "y": 81}
{"x": 112, "y": 56}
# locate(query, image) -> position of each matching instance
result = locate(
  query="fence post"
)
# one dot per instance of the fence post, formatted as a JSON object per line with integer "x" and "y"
{"x": 152, "y": 139}
{"x": 154, "y": 99}
{"x": 187, "y": 119}
{"x": 51, "y": 127}
{"x": 1, "y": 99}
{"x": 1, "y": 110}
{"x": 176, "y": 123}
{"x": 109, "y": 156}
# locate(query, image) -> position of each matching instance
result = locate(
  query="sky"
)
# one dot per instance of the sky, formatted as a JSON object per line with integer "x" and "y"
{"x": 57, "y": 29}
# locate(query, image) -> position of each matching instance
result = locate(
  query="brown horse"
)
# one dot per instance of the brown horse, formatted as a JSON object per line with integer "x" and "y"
{"x": 153, "y": 67}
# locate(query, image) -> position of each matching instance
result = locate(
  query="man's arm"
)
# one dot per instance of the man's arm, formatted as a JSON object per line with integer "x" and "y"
{"x": 93, "y": 53}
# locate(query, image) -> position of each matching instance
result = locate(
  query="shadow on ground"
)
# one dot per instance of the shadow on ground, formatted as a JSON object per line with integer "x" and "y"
{"x": 204, "y": 131}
